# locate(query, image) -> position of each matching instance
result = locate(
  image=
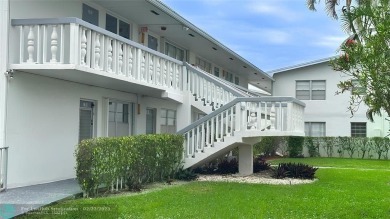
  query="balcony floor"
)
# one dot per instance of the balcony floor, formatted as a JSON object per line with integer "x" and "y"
{"x": 80, "y": 74}
{"x": 20, "y": 200}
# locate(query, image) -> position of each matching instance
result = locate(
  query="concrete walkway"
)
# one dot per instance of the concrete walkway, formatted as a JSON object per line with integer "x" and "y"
{"x": 17, "y": 201}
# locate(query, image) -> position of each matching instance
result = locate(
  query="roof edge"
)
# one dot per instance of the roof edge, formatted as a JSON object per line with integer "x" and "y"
{"x": 305, "y": 64}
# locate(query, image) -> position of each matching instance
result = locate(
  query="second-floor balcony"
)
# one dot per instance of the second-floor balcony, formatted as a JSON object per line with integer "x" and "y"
{"x": 74, "y": 50}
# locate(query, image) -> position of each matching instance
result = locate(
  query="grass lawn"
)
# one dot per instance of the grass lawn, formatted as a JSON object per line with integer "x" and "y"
{"x": 339, "y": 193}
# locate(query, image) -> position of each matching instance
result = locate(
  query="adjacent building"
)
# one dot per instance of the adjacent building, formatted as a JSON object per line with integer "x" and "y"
{"x": 326, "y": 113}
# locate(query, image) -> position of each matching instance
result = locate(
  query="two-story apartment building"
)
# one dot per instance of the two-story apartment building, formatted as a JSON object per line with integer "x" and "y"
{"x": 78, "y": 69}
{"x": 326, "y": 113}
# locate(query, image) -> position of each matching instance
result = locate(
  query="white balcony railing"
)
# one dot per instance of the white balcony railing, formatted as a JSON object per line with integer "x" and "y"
{"x": 76, "y": 42}
{"x": 261, "y": 114}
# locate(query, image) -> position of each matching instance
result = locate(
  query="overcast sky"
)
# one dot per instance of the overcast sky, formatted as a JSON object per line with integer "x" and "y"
{"x": 269, "y": 33}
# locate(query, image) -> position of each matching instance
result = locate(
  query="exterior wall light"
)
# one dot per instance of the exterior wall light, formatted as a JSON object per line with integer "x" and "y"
{"x": 9, "y": 73}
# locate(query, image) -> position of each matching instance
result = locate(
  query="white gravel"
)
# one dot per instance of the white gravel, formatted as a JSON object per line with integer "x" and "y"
{"x": 257, "y": 178}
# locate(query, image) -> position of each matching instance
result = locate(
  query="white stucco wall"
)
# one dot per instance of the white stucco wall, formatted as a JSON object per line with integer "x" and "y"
{"x": 333, "y": 110}
{"x": 43, "y": 125}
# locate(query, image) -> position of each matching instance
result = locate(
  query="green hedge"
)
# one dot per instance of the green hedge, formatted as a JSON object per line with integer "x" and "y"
{"x": 295, "y": 145}
{"x": 135, "y": 159}
{"x": 353, "y": 147}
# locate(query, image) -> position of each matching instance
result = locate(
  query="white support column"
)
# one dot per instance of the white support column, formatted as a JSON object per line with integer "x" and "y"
{"x": 184, "y": 111}
{"x": 4, "y": 34}
{"x": 245, "y": 159}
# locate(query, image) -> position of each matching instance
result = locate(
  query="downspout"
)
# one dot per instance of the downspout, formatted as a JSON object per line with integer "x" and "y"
{"x": 5, "y": 74}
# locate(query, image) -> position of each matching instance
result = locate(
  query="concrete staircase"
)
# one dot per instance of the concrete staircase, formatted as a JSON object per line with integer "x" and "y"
{"x": 241, "y": 123}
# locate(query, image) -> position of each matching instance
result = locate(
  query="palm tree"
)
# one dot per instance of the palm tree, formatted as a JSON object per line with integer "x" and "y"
{"x": 331, "y": 6}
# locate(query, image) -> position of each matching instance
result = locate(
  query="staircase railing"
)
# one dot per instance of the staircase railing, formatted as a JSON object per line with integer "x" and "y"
{"x": 244, "y": 91}
{"x": 209, "y": 89}
{"x": 3, "y": 168}
{"x": 259, "y": 114}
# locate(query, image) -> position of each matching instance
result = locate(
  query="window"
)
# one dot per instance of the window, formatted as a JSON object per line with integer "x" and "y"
{"x": 119, "y": 118}
{"x": 90, "y": 15}
{"x": 111, "y": 23}
{"x": 310, "y": 90}
{"x": 237, "y": 80}
{"x": 315, "y": 129}
{"x": 229, "y": 76}
{"x": 152, "y": 42}
{"x": 216, "y": 71}
{"x": 117, "y": 26}
{"x": 358, "y": 129}
{"x": 174, "y": 51}
{"x": 203, "y": 64}
{"x": 357, "y": 89}
{"x": 168, "y": 121}
{"x": 124, "y": 29}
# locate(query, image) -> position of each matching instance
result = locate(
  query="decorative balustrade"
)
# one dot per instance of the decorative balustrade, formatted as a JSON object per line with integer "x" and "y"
{"x": 74, "y": 41}
{"x": 209, "y": 89}
{"x": 3, "y": 168}
{"x": 261, "y": 114}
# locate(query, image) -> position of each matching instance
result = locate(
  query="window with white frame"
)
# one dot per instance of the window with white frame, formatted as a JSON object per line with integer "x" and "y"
{"x": 120, "y": 118}
{"x": 357, "y": 89}
{"x": 174, "y": 51}
{"x": 315, "y": 129}
{"x": 310, "y": 90}
{"x": 168, "y": 121}
{"x": 117, "y": 26}
{"x": 358, "y": 129}
{"x": 203, "y": 64}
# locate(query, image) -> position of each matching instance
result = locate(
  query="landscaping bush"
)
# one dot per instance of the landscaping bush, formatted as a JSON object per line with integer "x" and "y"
{"x": 279, "y": 172}
{"x": 266, "y": 146}
{"x": 295, "y": 145}
{"x": 134, "y": 159}
{"x": 269, "y": 145}
{"x": 328, "y": 144}
{"x": 228, "y": 167}
{"x": 313, "y": 146}
{"x": 208, "y": 168}
{"x": 293, "y": 170}
{"x": 185, "y": 174}
{"x": 260, "y": 164}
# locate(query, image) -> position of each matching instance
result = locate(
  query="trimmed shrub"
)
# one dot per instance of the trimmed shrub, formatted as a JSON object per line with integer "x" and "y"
{"x": 294, "y": 170}
{"x": 135, "y": 159}
{"x": 295, "y": 146}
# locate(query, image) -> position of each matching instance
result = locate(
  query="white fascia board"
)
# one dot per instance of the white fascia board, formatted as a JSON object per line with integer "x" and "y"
{"x": 302, "y": 65}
